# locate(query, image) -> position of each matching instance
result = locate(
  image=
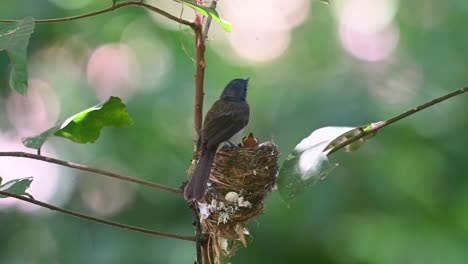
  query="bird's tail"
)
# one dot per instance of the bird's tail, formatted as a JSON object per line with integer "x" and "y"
{"x": 196, "y": 188}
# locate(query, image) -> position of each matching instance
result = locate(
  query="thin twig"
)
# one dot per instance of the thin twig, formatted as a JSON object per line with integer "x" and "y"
{"x": 93, "y": 170}
{"x": 109, "y": 9}
{"x": 97, "y": 220}
{"x": 394, "y": 119}
{"x": 208, "y": 20}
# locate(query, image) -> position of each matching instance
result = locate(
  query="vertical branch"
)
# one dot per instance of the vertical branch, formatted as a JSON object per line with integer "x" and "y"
{"x": 198, "y": 113}
{"x": 199, "y": 75}
{"x": 197, "y": 225}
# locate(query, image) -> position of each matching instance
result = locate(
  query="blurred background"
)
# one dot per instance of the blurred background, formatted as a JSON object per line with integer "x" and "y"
{"x": 402, "y": 198}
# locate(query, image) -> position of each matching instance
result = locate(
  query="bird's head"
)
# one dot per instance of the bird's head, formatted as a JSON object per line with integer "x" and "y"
{"x": 236, "y": 90}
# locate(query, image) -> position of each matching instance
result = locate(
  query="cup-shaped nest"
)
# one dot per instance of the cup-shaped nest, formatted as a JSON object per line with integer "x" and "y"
{"x": 239, "y": 181}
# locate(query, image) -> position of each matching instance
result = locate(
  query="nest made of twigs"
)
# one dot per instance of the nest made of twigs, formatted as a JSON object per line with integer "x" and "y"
{"x": 239, "y": 181}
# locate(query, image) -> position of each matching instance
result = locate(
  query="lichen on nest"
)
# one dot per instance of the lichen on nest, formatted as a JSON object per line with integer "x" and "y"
{"x": 239, "y": 181}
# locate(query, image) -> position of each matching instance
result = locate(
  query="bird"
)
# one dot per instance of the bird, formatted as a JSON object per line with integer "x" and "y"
{"x": 249, "y": 141}
{"x": 225, "y": 120}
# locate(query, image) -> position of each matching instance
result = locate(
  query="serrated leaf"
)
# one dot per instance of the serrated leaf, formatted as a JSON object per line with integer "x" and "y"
{"x": 207, "y": 11}
{"x": 14, "y": 39}
{"x": 86, "y": 126}
{"x": 16, "y": 186}
{"x": 308, "y": 163}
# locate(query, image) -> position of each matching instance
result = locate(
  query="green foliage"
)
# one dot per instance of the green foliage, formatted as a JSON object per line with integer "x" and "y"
{"x": 85, "y": 126}
{"x": 16, "y": 186}
{"x": 207, "y": 11}
{"x": 14, "y": 39}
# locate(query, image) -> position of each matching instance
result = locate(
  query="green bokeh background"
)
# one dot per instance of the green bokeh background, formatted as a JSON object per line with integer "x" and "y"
{"x": 402, "y": 198}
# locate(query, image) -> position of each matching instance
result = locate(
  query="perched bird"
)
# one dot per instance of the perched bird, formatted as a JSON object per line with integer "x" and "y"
{"x": 225, "y": 120}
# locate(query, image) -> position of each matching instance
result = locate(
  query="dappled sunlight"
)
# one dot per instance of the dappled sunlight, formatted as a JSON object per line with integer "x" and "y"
{"x": 111, "y": 71}
{"x": 36, "y": 112}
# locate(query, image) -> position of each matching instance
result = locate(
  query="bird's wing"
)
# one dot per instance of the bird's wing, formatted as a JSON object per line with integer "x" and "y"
{"x": 223, "y": 121}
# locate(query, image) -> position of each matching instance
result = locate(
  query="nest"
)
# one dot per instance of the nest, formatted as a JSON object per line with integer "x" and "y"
{"x": 239, "y": 181}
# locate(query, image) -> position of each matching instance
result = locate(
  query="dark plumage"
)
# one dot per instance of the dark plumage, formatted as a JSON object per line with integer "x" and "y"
{"x": 228, "y": 116}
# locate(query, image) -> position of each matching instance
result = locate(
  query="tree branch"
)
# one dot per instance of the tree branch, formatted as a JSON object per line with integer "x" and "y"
{"x": 109, "y": 9}
{"x": 198, "y": 234}
{"x": 97, "y": 220}
{"x": 93, "y": 170}
{"x": 394, "y": 119}
{"x": 200, "y": 65}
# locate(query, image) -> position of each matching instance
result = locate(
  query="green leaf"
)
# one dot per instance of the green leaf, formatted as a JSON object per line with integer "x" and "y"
{"x": 85, "y": 126}
{"x": 307, "y": 163}
{"x": 14, "y": 38}
{"x": 207, "y": 11}
{"x": 17, "y": 186}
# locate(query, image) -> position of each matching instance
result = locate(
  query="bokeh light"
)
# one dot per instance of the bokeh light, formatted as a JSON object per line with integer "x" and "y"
{"x": 365, "y": 16}
{"x": 113, "y": 71}
{"x": 153, "y": 57}
{"x": 61, "y": 64}
{"x": 45, "y": 175}
{"x": 103, "y": 196}
{"x": 36, "y": 112}
{"x": 261, "y": 29}
{"x": 400, "y": 198}
{"x": 375, "y": 46}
